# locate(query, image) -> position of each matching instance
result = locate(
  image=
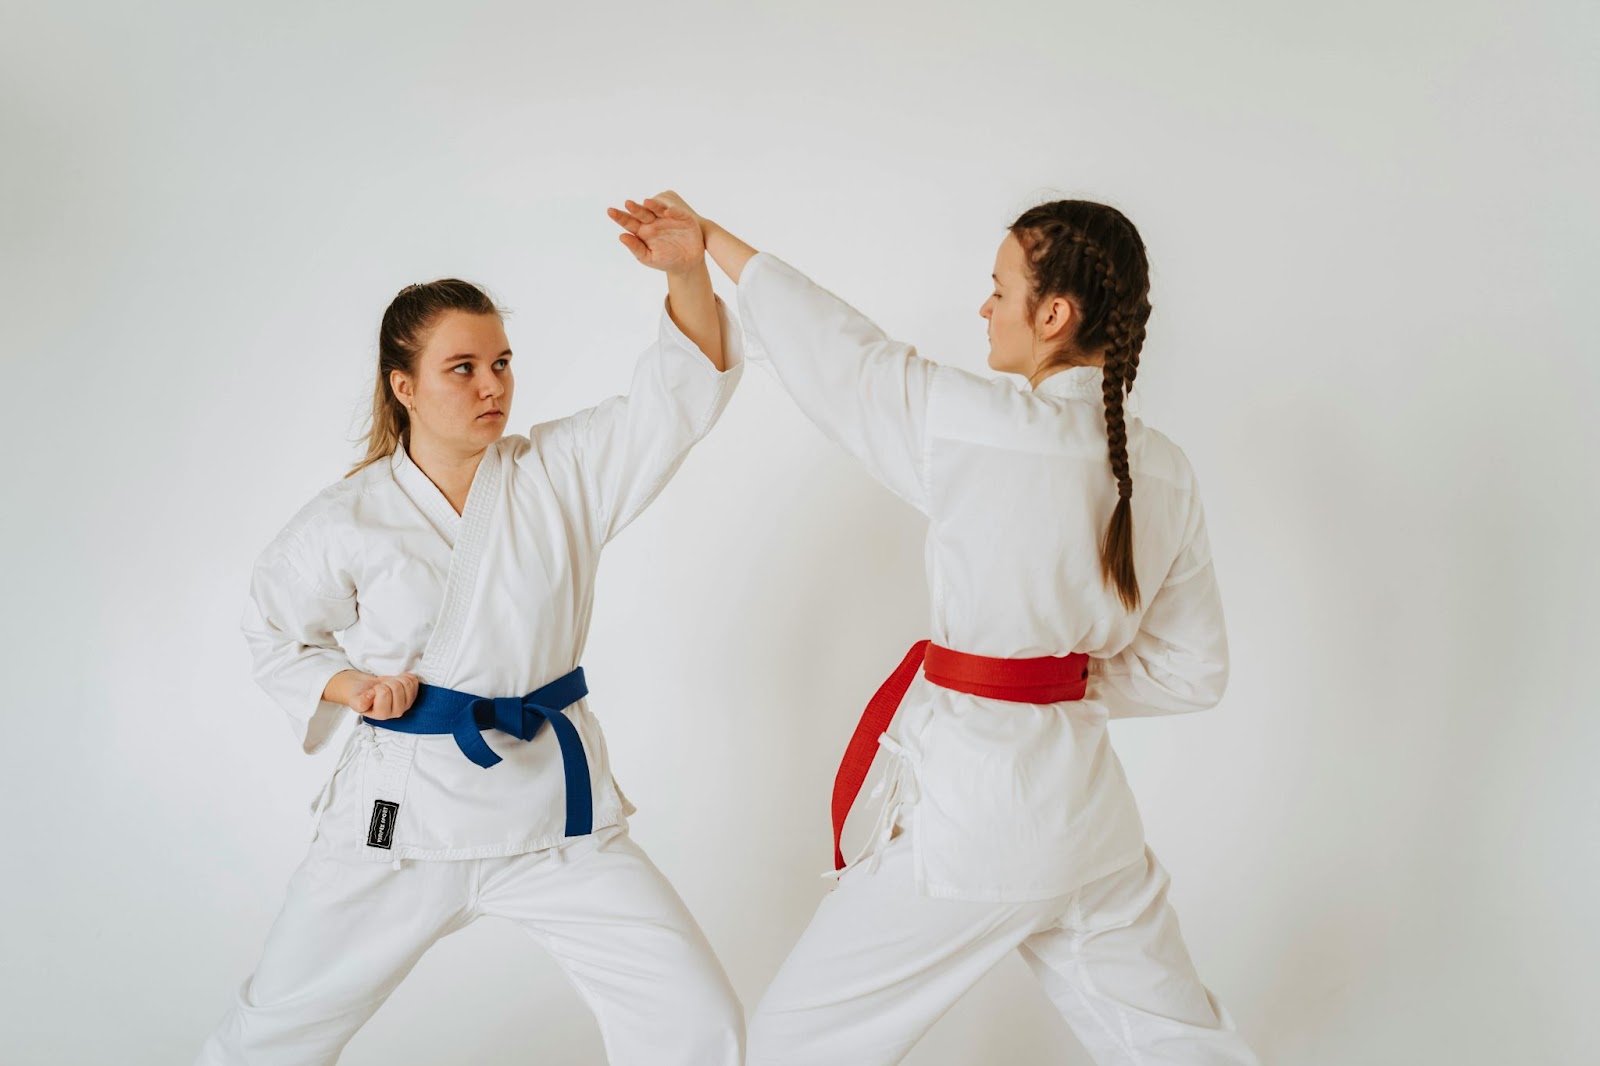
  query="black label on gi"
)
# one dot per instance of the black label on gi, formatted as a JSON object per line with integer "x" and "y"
{"x": 381, "y": 833}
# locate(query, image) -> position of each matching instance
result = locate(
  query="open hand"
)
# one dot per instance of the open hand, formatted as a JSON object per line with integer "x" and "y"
{"x": 672, "y": 199}
{"x": 661, "y": 232}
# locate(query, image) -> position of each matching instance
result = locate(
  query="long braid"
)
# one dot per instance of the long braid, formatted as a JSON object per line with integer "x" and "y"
{"x": 1092, "y": 254}
{"x": 1116, "y": 565}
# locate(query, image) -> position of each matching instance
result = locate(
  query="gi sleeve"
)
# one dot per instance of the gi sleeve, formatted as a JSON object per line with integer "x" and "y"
{"x": 1178, "y": 660}
{"x": 296, "y": 605}
{"x": 866, "y": 392}
{"x": 628, "y": 447}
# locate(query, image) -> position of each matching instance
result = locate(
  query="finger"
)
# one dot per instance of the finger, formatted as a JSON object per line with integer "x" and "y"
{"x": 413, "y": 686}
{"x": 392, "y": 687}
{"x": 363, "y": 702}
{"x": 640, "y": 250}
{"x": 672, "y": 218}
{"x": 666, "y": 210}
{"x": 640, "y": 212}
{"x": 397, "y": 696}
{"x": 623, "y": 219}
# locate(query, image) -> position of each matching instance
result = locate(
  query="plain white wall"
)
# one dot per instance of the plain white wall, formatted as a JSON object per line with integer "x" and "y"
{"x": 1373, "y": 238}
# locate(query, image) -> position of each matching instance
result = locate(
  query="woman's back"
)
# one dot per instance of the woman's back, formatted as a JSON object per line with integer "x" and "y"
{"x": 1015, "y": 801}
{"x": 1017, "y": 488}
{"x": 1019, "y": 500}
{"x": 1059, "y": 524}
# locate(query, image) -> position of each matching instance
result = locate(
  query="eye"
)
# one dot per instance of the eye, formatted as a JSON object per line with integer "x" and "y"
{"x": 502, "y": 364}
{"x": 460, "y": 367}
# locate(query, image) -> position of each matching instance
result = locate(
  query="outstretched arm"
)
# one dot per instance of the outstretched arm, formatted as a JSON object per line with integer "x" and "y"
{"x": 665, "y": 236}
{"x": 865, "y": 390}
{"x": 626, "y": 448}
{"x": 727, "y": 251}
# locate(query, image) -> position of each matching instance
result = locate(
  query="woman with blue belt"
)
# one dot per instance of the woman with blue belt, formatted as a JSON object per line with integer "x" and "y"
{"x": 442, "y": 592}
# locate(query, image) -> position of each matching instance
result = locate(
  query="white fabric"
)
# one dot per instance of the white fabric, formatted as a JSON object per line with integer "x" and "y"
{"x": 378, "y": 573}
{"x": 350, "y": 931}
{"x": 881, "y": 962}
{"x": 1014, "y": 802}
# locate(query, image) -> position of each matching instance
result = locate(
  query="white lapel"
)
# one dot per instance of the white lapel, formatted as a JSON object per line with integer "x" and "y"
{"x": 467, "y": 534}
{"x": 426, "y": 495}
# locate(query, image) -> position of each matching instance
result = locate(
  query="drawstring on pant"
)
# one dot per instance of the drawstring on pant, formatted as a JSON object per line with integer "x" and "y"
{"x": 899, "y": 782}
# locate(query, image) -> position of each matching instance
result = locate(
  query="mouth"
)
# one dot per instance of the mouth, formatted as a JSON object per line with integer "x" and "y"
{"x": 491, "y": 416}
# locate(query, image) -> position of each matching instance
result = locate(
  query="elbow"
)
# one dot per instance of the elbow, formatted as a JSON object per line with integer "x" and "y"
{"x": 1210, "y": 686}
{"x": 1199, "y": 688}
{"x": 1217, "y": 676}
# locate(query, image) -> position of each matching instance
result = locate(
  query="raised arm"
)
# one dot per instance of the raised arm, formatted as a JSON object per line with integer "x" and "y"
{"x": 626, "y": 448}
{"x": 864, "y": 390}
{"x": 665, "y": 236}
{"x": 727, "y": 251}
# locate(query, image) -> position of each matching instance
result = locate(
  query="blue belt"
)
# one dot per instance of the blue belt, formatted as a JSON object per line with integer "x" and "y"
{"x": 465, "y": 716}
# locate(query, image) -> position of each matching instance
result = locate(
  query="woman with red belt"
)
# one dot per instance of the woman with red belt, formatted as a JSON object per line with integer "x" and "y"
{"x": 1061, "y": 597}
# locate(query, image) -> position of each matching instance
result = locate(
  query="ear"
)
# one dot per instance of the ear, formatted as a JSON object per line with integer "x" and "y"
{"x": 1055, "y": 320}
{"x": 400, "y": 385}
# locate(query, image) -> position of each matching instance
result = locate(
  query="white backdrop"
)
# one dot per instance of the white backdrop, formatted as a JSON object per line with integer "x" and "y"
{"x": 1373, "y": 233}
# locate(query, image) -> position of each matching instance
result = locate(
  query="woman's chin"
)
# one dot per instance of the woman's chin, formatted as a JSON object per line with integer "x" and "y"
{"x": 489, "y": 430}
{"x": 996, "y": 362}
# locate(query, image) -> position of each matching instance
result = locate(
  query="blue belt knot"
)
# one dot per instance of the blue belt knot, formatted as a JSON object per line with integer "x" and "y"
{"x": 465, "y": 716}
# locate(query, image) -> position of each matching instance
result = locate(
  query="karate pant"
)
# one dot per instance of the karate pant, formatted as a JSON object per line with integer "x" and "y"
{"x": 879, "y": 964}
{"x": 350, "y": 931}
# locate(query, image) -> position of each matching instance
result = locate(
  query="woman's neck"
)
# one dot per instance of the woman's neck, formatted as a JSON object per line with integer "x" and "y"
{"x": 450, "y": 470}
{"x": 1057, "y": 368}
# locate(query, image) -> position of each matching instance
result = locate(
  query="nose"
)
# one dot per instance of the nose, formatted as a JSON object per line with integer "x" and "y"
{"x": 983, "y": 308}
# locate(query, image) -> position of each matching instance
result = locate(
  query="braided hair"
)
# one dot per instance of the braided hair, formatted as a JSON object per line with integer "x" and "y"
{"x": 1092, "y": 255}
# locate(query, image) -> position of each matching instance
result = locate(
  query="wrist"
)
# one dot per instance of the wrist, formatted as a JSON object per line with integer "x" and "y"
{"x": 689, "y": 271}
{"x": 343, "y": 686}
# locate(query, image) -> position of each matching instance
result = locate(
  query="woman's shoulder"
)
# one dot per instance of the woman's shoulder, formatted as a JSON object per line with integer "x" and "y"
{"x": 1069, "y": 418}
{"x": 342, "y": 504}
{"x": 1004, "y": 413}
{"x": 517, "y": 447}
{"x": 1155, "y": 454}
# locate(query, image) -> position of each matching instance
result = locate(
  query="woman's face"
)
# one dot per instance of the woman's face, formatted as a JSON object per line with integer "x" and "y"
{"x": 460, "y": 394}
{"x": 1019, "y": 341}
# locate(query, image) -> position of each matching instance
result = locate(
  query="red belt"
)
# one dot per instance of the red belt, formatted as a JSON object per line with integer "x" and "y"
{"x": 1047, "y": 679}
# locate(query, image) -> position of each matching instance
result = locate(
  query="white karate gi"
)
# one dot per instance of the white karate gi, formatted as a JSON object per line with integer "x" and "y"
{"x": 380, "y": 574}
{"x": 1025, "y": 833}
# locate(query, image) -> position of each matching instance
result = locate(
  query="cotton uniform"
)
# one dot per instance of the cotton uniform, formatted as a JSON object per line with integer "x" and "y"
{"x": 380, "y": 574}
{"x": 1002, "y": 825}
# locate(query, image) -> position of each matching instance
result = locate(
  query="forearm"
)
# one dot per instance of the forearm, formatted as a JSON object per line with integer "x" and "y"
{"x": 1178, "y": 661}
{"x": 693, "y": 307}
{"x": 729, "y": 252}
